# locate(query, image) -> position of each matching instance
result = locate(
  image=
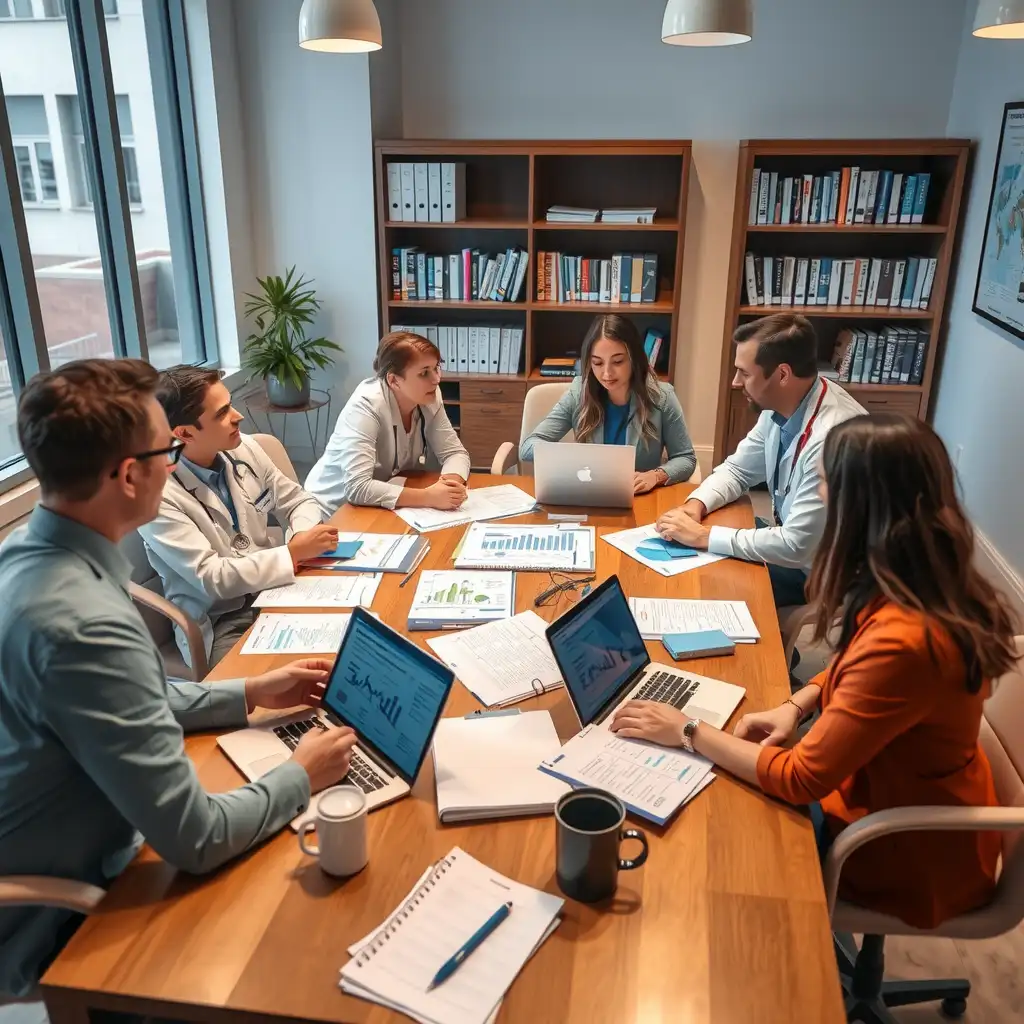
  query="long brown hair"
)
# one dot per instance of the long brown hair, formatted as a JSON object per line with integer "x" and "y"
{"x": 895, "y": 529}
{"x": 643, "y": 383}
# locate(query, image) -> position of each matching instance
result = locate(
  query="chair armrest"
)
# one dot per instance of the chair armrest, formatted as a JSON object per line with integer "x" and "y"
{"x": 913, "y": 819}
{"x": 41, "y": 890}
{"x": 500, "y": 457}
{"x": 188, "y": 625}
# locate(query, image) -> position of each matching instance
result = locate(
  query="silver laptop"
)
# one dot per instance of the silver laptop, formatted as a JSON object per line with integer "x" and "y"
{"x": 592, "y": 475}
{"x": 383, "y": 686}
{"x": 604, "y": 663}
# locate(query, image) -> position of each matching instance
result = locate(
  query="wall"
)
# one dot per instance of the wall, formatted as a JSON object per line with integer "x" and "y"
{"x": 308, "y": 146}
{"x": 598, "y": 68}
{"x": 386, "y": 74}
{"x": 979, "y": 398}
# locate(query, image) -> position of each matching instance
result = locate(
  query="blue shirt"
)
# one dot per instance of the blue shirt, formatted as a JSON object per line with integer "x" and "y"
{"x": 616, "y": 418}
{"x": 789, "y": 431}
{"x": 217, "y": 480}
{"x": 91, "y": 750}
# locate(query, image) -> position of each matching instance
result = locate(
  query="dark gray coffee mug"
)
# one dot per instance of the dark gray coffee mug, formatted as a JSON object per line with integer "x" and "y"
{"x": 589, "y": 831}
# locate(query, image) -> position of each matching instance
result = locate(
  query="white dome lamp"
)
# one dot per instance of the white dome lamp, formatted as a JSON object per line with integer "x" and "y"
{"x": 707, "y": 22}
{"x": 999, "y": 19}
{"x": 339, "y": 26}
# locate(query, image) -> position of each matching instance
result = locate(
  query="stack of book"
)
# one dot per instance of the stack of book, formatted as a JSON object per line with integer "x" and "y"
{"x": 847, "y": 196}
{"x": 625, "y": 277}
{"x": 890, "y": 355}
{"x": 467, "y": 276}
{"x": 824, "y": 281}
{"x": 571, "y": 215}
{"x": 629, "y": 215}
{"x": 560, "y": 366}
{"x": 482, "y": 349}
{"x": 653, "y": 341}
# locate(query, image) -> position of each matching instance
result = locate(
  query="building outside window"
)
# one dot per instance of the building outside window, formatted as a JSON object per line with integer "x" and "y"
{"x": 32, "y": 150}
{"x": 71, "y": 115}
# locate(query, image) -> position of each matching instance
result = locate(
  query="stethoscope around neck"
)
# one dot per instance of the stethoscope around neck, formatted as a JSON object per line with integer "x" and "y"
{"x": 422, "y": 460}
{"x": 240, "y": 542}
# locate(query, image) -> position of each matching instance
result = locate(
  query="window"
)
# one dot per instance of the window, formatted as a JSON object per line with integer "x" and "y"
{"x": 32, "y": 151}
{"x": 86, "y": 268}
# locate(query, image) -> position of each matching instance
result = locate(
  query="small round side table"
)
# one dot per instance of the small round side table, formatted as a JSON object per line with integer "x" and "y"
{"x": 319, "y": 400}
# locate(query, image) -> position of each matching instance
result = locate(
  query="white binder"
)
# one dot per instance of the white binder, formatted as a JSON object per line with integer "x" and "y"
{"x": 434, "y": 192}
{"x": 463, "y": 337}
{"x": 494, "y": 350}
{"x": 420, "y": 184}
{"x": 474, "y": 350}
{"x": 395, "y": 192}
{"x": 516, "y": 347}
{"x": 505, "y": 352}
{"x": 453, "y": 192}
{"x": 408, "y": 192}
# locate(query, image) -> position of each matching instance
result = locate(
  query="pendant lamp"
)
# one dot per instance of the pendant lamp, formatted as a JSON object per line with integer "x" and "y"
{"x": 707, "y": 22}
{"x": 1000, "y": 19}
{"x": 339, "y": 26}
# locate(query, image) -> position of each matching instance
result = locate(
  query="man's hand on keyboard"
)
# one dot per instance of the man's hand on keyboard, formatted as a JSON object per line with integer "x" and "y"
{"x": 325, "y": 754}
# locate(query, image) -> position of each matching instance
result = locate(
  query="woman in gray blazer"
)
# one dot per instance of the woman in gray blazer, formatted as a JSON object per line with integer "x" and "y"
{"x": 618, "y": 399}
{"x": 394, "y": 423}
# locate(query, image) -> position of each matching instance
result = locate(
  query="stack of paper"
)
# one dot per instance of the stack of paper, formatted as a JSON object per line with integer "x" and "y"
{"x": 631, "y": 542}
{"x": 481, "y": 503}
{"x": 567, "y": 546}
{"x": 487, "y": 767}
{"x": 322, "y": 592}
{"x": 395, "y": 967}
{"x": 571, "y": 215}
{"x": 454, "y": 600}
{"x": 502, "y": 662}
{"x": 629, "y": 215}
{"x": 652, "y": 781}
{"x": 374, "y": 552}
{"x": 281, "y": 633}
{"x": 656, "y": 616}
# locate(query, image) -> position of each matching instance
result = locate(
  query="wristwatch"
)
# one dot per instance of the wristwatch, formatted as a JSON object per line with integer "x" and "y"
{"x": 689, "y": 731}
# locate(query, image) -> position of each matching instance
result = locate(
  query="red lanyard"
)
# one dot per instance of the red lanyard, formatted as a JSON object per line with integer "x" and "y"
{"x": 800, "y": 445}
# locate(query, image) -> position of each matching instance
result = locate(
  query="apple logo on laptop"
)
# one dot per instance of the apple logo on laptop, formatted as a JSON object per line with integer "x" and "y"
{"x": 583, "y": 475}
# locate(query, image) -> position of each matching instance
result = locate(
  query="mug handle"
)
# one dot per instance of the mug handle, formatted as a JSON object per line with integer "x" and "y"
{"x": 314, "y": 851}
{"x": 627, "y": 833}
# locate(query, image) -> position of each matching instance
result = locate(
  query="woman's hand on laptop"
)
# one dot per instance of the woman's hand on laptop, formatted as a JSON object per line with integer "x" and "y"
{"x": 650, "y": 720}
{"x": 644, "y": 482}
{"x": 326, "y": 755}
{"x": 300, "y": 683}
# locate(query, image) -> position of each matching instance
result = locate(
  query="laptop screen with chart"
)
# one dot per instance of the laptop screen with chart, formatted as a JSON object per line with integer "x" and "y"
{"x": 389, "y": 691}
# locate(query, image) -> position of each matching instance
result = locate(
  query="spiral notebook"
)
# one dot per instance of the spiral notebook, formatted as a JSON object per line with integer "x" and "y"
{"x": 567, "y": 547}
{"x": 397, "y": 963}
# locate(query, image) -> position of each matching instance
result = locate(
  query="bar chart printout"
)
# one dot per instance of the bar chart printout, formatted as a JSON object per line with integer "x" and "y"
{"x": 493, "y": 545}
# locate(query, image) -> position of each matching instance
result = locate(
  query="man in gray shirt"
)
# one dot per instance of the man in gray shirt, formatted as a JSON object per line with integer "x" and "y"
{"x": 91, "y": 749}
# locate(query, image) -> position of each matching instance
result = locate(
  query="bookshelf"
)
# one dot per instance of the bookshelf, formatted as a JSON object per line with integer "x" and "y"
{"x": 509, "y": 187}
{"x": 935, "y": 238}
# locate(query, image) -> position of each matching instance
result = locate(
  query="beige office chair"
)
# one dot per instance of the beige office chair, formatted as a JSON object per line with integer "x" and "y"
{"x": 867, "y": 994}
{"x": 792, "y": 619}
{"x": 277, "y": 453}
{"x": 161, "y": 616}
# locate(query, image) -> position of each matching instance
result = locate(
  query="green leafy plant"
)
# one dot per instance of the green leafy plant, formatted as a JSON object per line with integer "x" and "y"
{"x": 282, "y": 312}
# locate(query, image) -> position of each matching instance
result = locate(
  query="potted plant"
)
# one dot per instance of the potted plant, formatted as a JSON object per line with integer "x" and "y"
{"x": 279, "y": 351}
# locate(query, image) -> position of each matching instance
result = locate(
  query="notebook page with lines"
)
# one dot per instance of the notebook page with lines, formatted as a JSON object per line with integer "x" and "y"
{"x": 456, "y": 897}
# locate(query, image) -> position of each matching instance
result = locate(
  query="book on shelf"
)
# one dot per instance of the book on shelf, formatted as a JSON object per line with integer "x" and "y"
{"x": 629, "y": 215}
{"x": 571, "y": 215}
{"x": 481, "y": 348}
{"x": 560, "y": 366}
{"x": 805, "y": 281}
{"x": 623, "y": 277}
{"x": 888, "y": 355}
{"x": 426, "y": 192}
{"x": 653, "y": 342}
{"x": 466, "y": 276}
{"x": 850, "y": 195}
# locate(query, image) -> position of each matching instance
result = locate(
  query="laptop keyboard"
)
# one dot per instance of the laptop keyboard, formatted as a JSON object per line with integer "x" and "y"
{"x": 361, "y": 772}
{"x": 667, "y": 688}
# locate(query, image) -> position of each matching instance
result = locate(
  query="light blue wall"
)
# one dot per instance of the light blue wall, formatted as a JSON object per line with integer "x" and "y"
{"x": 981, "y": 387}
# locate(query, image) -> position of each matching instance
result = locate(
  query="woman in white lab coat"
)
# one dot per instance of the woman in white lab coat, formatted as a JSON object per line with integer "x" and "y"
{"x": 394, "y": 423}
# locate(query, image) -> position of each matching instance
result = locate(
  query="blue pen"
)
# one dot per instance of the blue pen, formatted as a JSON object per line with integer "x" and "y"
{"x": 471, "y": 944}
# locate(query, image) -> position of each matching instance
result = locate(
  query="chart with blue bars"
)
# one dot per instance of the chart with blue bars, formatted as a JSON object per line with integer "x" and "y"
{"x": 528, "y": 542}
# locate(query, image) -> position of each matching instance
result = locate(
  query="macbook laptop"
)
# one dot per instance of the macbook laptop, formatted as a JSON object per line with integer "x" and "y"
{"x": 592, "y": 475}
{"x": 383, "y": 686}
{"x": 604, "y": 663}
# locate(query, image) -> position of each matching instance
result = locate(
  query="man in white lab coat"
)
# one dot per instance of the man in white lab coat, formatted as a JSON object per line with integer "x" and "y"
{"x": 777, "y": 367}
{"x": 211, "y": 542}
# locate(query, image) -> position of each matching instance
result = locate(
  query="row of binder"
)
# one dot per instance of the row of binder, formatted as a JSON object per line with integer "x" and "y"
{"x": 426, "y": 192}
{"x": 476, "y": 349}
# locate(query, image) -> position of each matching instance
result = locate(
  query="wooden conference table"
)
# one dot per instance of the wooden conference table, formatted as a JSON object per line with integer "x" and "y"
{"x": 725, "y": 923}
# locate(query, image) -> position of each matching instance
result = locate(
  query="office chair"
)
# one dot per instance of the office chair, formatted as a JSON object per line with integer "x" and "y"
{"x": 868, "y": 995}
{"x": 277, "y": 453}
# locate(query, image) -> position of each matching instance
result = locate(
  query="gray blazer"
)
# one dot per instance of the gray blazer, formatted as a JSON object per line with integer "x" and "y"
{"x": 669, "y": 424}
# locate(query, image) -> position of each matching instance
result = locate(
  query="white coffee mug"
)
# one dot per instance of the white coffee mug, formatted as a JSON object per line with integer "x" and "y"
{"x": 340, "y": 825}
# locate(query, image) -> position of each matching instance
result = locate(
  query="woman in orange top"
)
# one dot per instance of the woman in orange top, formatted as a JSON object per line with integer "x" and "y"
{"x": 922, "y": 634}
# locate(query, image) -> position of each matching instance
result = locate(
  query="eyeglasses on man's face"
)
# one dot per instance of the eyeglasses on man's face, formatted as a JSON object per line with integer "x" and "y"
{"x": 172, "y": 453}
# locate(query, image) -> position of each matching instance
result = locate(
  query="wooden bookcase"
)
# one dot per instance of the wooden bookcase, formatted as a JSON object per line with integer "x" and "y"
{"x": 945, "y": 159}
{"x": 509, "y": 187}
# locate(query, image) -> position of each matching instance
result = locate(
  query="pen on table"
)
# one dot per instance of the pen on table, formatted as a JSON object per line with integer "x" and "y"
{"x": 415, "y": 565}
{"x": 449, "y": 967}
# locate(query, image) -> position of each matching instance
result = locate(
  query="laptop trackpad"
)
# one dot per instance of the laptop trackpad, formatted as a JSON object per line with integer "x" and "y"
{"x": 257, "y": 769}
{"x": 711, "y": 717}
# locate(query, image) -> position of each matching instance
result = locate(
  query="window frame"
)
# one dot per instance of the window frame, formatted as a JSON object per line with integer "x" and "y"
{"x": 24, "y": 341}
{"x": 30, "y": 142}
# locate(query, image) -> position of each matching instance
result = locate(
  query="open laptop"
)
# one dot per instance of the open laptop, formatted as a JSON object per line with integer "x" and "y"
{"x": 383, "y": 686}
{"x": 592, "y": 475}
{"x": 604, "y": 663}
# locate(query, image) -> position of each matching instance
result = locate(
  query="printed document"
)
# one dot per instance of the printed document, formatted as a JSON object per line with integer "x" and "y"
{"x": 481, "y": 503}
{"x": 281, "y": 633}
{"x": 568, "y": 547}
{"x": 656, "y": 616}
{"x": 453, "y": 599}
{"x": 378, "y": 552}
{"x": 323, "y": 592}
{"x": 628, "y": 542}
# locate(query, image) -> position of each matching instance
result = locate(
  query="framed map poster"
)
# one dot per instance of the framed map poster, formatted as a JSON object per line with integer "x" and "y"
{"x": 999, "y": 293}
